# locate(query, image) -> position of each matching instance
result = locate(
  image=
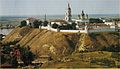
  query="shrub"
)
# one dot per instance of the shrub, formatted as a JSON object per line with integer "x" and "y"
{"x": 37, "y": 23}
{"x": 23, "y": 23}
{"x": 93, "y": 61}
{"x": 108, "y": 62}
{"x": 55, "y": 26}
{"x": 45, "y": 23}
{"x": 112, "y": 48}
{"x": 115, "y": 55}
{"x": 103, "y": 61}
{"x": 27, "y": 56}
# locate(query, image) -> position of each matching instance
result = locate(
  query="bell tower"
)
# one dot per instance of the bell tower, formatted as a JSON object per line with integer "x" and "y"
{"x": 68, "y": 13}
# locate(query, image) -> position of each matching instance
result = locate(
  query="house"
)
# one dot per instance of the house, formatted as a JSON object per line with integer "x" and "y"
{"x": 109, "y": 23}
{"x": 80, "y": 21}
{"x": 61, "y": 24}
{"x": 58, "y": 22}
{"x": 30, "y": 21}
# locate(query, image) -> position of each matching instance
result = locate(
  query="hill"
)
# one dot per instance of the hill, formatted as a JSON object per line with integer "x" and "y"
{"x": 59, "y": 44}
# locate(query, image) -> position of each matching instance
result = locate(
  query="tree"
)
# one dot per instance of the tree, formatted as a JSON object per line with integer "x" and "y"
{"x": 36, "y": 24}
{"x": 69, "y": 26}
{"x": 45, "y": 23}
{"x": 14, "y": 61}
{"x": 40, "y": 23}
{"x": 95, "y": 20}
{"x": 115, "y": 55}
{"x": 23, "y": 23}
{"x": 73, "y": 26}
{"x": 54, "y": 25}
{"x": 27, "y": 56}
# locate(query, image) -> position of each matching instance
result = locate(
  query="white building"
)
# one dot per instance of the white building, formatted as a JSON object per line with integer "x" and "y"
{"x": 58, "y": 22}
{"x": 109, "y": 23}
{"x": 77, "y": 21}
{"x": 30, "y": 21}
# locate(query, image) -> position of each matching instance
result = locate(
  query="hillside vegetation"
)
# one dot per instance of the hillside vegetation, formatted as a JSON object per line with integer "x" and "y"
{"x": 59, "y": 44}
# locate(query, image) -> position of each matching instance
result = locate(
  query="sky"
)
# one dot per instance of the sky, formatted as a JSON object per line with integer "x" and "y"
{"x": 58, "y": 7}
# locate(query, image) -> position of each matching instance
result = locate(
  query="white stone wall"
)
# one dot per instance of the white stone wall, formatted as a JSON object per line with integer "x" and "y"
{"x": 42, "y": 27}
{"x": 74, "y": 31}
{"x": 81, "y": 31}
{"x": 56, "y": 30}
{"x": 102, "y": 30}
{"x": 119, "y": 24}
{"x": 52, "y": 29}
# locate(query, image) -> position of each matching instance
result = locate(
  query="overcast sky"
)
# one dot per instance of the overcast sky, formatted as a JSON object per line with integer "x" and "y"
{"x": 54, "y": 7}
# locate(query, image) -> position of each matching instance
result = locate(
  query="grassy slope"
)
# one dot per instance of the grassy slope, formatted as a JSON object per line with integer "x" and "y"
{"x": 60, "y": 44}
{"x": 78, "y": 62}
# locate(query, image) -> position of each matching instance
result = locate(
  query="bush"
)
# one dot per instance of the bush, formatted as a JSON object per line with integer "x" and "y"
{"x": 37, "y": 23}
{"x": 45, "y": 23}
{"x": 115, "y": 55}
{"x": 93, "y": 61}
{"x": 23, "y": 23}
{"x": 3, "y": 59}
{"x": 27, "y": 56}
{"x": 108, "y": 62}
{"x": 112, "y": 48}
{"x": 104, "y": 61}
{"x": 55, "y": 26}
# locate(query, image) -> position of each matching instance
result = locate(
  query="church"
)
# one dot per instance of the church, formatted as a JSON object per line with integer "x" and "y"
{"x": 82, "y": 18}
{"x": 63, "y": 22}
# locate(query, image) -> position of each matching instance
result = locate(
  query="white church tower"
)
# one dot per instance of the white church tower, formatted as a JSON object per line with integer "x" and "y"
{"x": 68, "y": 14}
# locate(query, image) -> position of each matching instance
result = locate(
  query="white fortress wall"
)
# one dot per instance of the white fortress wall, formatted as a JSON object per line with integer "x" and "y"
{"x": 102, "y": 30}
{"x": 81, "y": 31}
{"x": 74, "y": 31}
{"x": 52, "y": 29}
{"x": 42, "y": 27}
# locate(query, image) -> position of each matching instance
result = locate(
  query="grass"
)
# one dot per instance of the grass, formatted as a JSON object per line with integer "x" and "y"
{"x": 102, "y": 60}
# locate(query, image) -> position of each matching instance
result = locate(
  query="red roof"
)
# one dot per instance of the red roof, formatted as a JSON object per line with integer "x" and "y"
{"x": 31, "y": 19}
